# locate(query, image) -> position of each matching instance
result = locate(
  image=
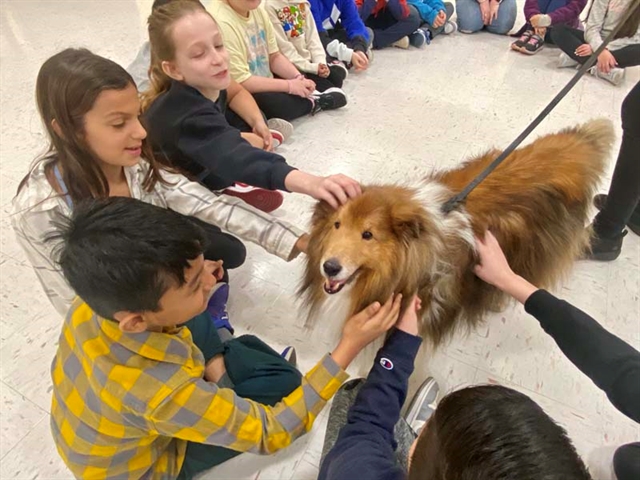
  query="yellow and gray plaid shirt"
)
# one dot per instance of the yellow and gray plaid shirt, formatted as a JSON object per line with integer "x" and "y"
{"x": 124, "y": 405}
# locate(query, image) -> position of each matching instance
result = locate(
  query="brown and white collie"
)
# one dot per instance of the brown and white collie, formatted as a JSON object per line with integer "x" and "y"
{"x": 395, "y": 238}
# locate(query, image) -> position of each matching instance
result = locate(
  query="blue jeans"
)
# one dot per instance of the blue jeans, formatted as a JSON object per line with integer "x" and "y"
{"x": 470, "y": 18}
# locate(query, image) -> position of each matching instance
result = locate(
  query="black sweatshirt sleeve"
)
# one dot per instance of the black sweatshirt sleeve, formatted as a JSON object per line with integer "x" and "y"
{"x": 611, "y": 363}
{"x": 365, "y": 445}
{"x": 208, "y": 140}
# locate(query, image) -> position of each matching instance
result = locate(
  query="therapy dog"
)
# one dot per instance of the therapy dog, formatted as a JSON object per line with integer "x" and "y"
{"x": 397, "y": 239}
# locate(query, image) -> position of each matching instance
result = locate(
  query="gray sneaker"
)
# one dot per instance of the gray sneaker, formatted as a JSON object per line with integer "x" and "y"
{"x": 565, "y": 61}
{"x": 369, "y": 51}
{"x": 450, "y": 27}
{"x": 615, "y": 76}
{"x": 282, "y": 126}
{"x": 423, "y": 405}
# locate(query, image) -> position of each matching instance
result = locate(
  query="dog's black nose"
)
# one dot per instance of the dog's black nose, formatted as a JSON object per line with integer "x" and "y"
{"x": 332, "y": 267}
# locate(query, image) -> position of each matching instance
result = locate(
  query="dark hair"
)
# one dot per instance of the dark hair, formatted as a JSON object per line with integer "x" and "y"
{"x": 67, "y": 87}
{"x": 121, "y": 254}
{"x": 160, "y": 27}
{"x": 492, "y": 432}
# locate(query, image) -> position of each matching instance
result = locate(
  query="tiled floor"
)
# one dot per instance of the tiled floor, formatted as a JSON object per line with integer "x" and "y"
{"x": 413, "y": 111}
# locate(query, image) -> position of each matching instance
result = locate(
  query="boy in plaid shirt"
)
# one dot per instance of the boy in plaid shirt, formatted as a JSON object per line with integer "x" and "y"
{"x": 138, "y": 395}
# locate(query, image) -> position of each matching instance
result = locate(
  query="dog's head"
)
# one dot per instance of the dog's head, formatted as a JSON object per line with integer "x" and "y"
{"x": 367, "y": 242}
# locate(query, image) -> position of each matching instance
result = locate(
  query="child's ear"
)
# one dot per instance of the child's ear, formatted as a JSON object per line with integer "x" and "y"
{"x": 130, "y": 322}
{"x": 171, "y": 71}
{"x": 56, "y": 128}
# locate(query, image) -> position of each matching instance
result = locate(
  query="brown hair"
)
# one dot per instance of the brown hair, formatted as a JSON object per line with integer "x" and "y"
{"x": 160, "y": 25}
{"x": 67, "y": 87}
{"x": 490, "y": 431}
{"x": 630, "y": 27}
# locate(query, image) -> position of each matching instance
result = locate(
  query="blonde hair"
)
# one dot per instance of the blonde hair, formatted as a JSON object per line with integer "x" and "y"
{"x": 163, "y": 49}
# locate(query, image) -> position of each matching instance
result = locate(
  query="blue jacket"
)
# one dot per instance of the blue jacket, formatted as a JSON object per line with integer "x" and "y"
{"x": 326, "y": 13}
{"x": 365, "y": 446}
{"x": 428, "y": 9}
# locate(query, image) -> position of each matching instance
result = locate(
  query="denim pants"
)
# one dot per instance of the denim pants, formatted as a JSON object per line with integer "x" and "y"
{"x": 470, "y": 18}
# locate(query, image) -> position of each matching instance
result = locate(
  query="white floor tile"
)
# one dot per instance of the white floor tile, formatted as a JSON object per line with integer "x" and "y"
{"x": 18, "y": 416}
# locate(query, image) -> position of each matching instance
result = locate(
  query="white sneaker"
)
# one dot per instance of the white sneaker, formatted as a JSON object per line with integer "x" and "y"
{"x": 402, "y": 43}
{"x": 615, "y": 76}
{"x": 423, "y": 405}
{"x": 282, "y": 126}
{"x": 450, "y": 27}
{"x": 565, "y": 61}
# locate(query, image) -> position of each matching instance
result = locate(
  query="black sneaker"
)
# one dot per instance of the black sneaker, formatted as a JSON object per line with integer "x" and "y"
{"x": 534, "y": 45}
{"x": 605, "y": 249}
{"x": 519, "y": 44}
{"x": 339, "y": 70}
{"x": 599, "y": 202}
{"x": 330, "y": 99}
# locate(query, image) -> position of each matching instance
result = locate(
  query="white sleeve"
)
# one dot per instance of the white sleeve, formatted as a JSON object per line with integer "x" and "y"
{"x": 340, "y": 51}
{"x": 594, "y": 23}
{"x": 31, "y": 229}
{"x": 314, "y": 44}
{"x": 231, "y": 214}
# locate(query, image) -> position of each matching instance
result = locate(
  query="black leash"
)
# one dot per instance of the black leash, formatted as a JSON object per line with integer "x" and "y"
{"x": 458, "y": 199}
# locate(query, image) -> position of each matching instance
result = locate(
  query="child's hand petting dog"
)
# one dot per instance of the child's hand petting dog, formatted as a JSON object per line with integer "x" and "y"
{"x": 408, "y": 322}
{"x": 364, "y": 327}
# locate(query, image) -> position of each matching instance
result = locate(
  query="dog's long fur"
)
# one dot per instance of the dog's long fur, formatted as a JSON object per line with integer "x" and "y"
{"x": 535, "y": 203}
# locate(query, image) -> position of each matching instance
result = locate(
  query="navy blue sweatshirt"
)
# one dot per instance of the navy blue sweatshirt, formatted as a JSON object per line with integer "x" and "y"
{"x": 192, "y": 132}
{"x": 365, "y": 447}
{"x": 611, "y": 363}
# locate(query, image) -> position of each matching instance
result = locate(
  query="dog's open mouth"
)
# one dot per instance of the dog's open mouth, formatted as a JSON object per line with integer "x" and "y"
{"x": 334, "y": 286}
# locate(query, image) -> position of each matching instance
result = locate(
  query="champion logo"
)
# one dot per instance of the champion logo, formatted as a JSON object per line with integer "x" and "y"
{"x": 386, "y": 363}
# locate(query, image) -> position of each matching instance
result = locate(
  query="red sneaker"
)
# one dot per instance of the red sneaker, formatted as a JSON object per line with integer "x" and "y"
{"x": 265, "y": 200}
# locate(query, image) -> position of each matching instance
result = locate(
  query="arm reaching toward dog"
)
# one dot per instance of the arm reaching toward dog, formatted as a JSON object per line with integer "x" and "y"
{"x": 612, "y": 364}
{"x": 495, "y": 270}
{"x": 365, "y": 446}
{"x": 364, "y": 327}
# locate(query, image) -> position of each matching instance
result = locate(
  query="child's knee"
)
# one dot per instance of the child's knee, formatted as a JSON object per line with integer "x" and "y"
{"x": 413, "y": 20}
{"x": 506, "y": 18}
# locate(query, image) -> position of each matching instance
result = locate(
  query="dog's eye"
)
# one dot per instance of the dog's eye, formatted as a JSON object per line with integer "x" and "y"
{"x": 337, "y": 225}
{"x": 367, "y": 235}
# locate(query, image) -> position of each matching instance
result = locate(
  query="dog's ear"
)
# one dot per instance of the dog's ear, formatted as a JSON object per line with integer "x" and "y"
{"x": 409, "y": 221}
{"x": 321, "y": 212}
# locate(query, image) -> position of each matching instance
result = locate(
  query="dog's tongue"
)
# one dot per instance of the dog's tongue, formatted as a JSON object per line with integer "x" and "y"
{"x": 332, "y": 286}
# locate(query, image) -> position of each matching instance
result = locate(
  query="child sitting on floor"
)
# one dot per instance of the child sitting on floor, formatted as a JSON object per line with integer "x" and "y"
{"x": 256, "y": 63}
{"x": 541, "y": 16}
{"x": 299, "y": 41}
{"x": 143, "y": 387}
{"x": 190, "y": 89}
{"x": 604, "y": 16}
{"x": 342, "y": 32}
{"x": 436, "y": 16}
{"x": 394, "y": 23}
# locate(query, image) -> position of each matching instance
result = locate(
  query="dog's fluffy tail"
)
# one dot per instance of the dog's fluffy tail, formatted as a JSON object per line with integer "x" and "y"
{"x": 599, "y": 133}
